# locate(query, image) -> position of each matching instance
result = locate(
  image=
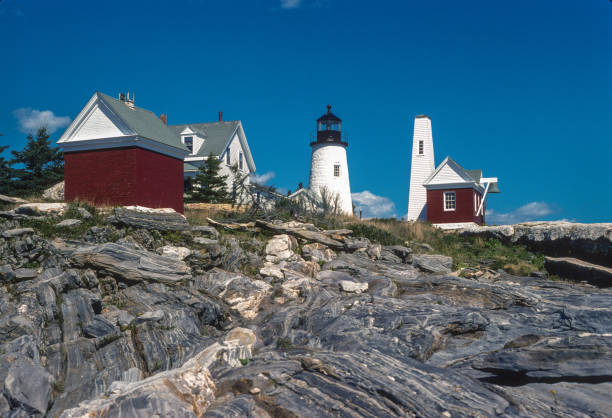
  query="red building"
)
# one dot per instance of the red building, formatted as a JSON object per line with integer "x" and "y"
{"x": 118, "y": 154}
{"x": 457, "y": 197}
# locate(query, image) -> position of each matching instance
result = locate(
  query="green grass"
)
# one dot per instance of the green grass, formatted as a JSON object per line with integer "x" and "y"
{"x": 47, "y": 227}
{"x": 374, "y": 234}
{"x": 466, "y": 251}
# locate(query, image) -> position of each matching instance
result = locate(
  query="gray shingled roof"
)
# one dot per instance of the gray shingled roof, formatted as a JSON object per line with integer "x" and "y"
{"x": 216, "y": 135}
{"x": 475, "y": 174}
{"x": 144, "y": 122}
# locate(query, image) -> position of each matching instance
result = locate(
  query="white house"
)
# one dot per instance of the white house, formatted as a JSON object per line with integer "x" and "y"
{"x": 225, "y": 139}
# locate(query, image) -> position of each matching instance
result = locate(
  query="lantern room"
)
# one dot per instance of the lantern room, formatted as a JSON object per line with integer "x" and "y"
{"x": 329, "y": 128}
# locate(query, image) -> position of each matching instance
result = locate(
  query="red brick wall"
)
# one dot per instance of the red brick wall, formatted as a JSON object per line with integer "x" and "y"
{"x": 464, "y": 211}
{"x": 124, "y": 176}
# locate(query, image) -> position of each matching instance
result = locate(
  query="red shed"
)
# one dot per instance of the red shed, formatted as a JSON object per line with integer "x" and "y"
{"x": 457, "y": 197}
{"x": 118, "y": 154}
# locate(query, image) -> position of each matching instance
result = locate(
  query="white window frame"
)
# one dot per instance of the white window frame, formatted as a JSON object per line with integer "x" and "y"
{"x": 453, "y": 201}
{"x": 192, "y": 143}
{"x": 240, "y": 160}
{"x": 336, "y": 170}
{"x": 421, "y": 147}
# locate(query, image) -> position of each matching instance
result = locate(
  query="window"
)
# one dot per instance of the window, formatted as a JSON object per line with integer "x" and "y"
{"x": 188, "y": 141}
{"x": 336, "y": 170}
{"x": 227, "y": 157}
{"x": 240, "y": 161}
{"x": 450, "y": 201}
{"x": 420, "y": 147}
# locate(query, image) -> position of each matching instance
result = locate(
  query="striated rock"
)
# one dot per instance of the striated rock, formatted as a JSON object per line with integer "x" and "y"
{"x": 179, "y": 253}
{"x": 99, "y": 327}
{"x": 131, "y": 265}
{"x": 281, "y": 247}
{"x": 207, "y": 231}
{"x": 55, "y": 192}
{"x": 433, "y": 263}
{"x": 580, "y": 357}
{"x": 578, "y": 270}
{"x": 591, "y": 242}
{"x": 11, "y": 200}
{"x": 17, "y": 232}
{"x": 404, "y": 253}
{"x": 205, "y": 241}
{"x": 317, "y": 252}
{"x": 325, "y": 383}
{"x": 305, "y": 234}
{"x": 84, "y": 213}
{"x": 69, "y": 223}
{"x": 272, "y": 270}
{"x": 241, "y": 293}
{"x": 37, "y": 209}
{"x": 25, "y": 274}
{"x": 151, "y": 316}
{"x": 151, "y": 219}
{"x": 183, "y": 392}
{"x": 28, "y": 385}
{"x": 353, "y": 287}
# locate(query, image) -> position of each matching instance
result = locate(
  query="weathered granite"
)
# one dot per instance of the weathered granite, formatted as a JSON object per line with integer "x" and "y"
{"x": 591, "y": 242}
{"x": 151, "y": 219}
{"x": 131, "y": 265}
{"x": 578, "y": 270}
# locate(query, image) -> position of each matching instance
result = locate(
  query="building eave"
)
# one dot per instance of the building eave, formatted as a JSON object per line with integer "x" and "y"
{"x": 124, "y": 142}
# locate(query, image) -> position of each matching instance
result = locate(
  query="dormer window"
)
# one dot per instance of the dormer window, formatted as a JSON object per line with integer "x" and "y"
{"x": 188, "y": 141}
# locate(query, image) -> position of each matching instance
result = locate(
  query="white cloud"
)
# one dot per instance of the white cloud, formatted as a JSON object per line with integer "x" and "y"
{"x": 290, "y": 4}
{"x": 373, "y": 206}
{"x": 530, "y": 212}
{"x": 262, "y": 178}
{"x": 31, "y": 119}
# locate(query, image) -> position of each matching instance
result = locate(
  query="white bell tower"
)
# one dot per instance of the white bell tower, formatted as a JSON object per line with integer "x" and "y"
{"x": 421, "y": 168}
{"x": 328, "y": 164}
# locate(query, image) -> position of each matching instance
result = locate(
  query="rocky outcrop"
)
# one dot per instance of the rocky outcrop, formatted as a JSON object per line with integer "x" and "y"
{"x": 131, "y": 265}
{"x": 44, "y": 209}
{"x": 55, "y": 192}
{"x": 579, "y": 270}
{"x": 92, "y": 327}
{"x": 10, "y": 200}
{"x": 591, "y": 242}
{"x": 151, "y": 219}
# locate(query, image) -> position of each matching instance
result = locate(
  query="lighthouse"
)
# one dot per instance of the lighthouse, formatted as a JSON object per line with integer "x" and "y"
{"x": 421, "y": 168}
{"x": 328, "y": 165}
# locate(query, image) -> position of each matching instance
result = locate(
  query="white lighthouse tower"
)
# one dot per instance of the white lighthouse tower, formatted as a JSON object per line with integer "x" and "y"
{"x": 328, "y": 165}
{"x": 421, "y": 168}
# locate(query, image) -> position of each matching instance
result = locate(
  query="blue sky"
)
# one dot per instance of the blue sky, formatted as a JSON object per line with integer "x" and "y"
{"x": 520, "y": 89}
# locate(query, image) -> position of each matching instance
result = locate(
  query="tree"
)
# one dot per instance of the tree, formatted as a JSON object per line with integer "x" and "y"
{"x": 6, "y": 174}
{"x": 210, "y": 186}
{"x": 43, "y": 165}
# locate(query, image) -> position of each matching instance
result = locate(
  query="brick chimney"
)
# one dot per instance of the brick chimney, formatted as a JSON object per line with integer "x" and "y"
{"x": 164, "y": 119}
{"x": 220, "y": 116}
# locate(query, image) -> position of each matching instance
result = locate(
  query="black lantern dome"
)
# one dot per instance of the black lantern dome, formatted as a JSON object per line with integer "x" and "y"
{"x": 329, "y": 128}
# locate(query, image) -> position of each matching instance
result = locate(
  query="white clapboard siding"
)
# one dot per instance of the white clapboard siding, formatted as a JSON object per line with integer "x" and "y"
{"x": 97, "y": 125}
{"x": 447, "y": 175}
{"x": 421, "y": 168}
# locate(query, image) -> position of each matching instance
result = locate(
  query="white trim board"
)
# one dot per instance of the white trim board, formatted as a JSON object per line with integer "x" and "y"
{"x": 123, "y": 142}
